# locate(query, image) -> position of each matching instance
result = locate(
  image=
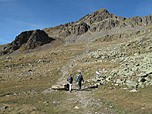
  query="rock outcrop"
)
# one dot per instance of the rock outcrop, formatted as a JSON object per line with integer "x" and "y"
{"x": 27, "y": 40}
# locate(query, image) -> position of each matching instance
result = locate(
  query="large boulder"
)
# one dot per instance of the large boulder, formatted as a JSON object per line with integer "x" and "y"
{"x": 60, "y": 87}
{"x": 131, "y": 84}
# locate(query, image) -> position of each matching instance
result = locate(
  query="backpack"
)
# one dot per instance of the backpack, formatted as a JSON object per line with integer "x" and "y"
{"x": 80, "y": 78}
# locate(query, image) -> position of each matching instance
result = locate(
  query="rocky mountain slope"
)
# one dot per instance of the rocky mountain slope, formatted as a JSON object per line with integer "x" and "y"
{"x": 97, "y": 24}
{"x": 116, "y": 58}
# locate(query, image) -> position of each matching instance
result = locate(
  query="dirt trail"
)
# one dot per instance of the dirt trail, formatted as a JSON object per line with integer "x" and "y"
{"x": 86, "y": 103}
{"x": 89, "y": 105}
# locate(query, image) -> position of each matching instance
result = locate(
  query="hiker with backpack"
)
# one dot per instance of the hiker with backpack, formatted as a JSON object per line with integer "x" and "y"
{"x": 79, "y": 79}
{"x": 70, "y": 81}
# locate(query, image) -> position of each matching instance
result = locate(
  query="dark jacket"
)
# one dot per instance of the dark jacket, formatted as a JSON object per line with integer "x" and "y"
{"x": 70, "y": 80}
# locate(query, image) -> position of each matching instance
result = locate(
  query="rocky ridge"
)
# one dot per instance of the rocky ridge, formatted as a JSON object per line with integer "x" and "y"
{"x": 97, "y": 24}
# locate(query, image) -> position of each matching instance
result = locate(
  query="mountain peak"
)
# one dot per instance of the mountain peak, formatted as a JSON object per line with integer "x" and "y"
{"x": 103, "y": 10}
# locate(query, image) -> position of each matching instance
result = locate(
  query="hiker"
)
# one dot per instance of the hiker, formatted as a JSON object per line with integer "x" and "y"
{"x": 79, "y": 79}
{"x": 70, "y": 80}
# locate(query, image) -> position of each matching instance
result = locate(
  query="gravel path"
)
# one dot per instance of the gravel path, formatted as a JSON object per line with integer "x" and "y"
{"x": 86, "y": 103}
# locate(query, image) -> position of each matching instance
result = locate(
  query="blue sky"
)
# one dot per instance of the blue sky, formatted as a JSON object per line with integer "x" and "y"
{"x": 17, "y": 16}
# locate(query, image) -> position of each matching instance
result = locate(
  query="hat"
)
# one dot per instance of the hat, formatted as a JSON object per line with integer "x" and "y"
{"x": 79, "y": 71}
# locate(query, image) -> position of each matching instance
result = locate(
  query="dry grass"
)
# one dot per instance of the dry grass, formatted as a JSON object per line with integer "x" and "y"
{"x": 46, "y": 67}
{"x": 3, "y": 45}
{"x": 44, "y": 75}
{"x": 126, "y": 102}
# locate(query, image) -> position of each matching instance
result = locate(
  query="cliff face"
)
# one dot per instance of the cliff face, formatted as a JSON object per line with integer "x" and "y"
{"x": 99, "y": 21}
{"x": 27, "y": 40}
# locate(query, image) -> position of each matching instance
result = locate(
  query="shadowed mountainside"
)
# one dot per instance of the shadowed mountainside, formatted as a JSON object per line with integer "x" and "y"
{"x": 27, "y": 40}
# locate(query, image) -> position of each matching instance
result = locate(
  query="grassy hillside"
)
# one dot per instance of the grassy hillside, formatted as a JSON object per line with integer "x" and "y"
{"x": 25, "y": 78}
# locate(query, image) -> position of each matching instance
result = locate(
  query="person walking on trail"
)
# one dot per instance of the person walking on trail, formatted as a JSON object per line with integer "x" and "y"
{"x": 79, "y": 79}
{"x": 70, "y": 81}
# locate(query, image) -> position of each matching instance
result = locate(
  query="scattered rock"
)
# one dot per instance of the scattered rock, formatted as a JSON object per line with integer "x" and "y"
{"x": 110, "y": 88}
{"x": 133, "y": 91}
{"x": 76, "y": 107}
{"x": 143, "y": 80}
